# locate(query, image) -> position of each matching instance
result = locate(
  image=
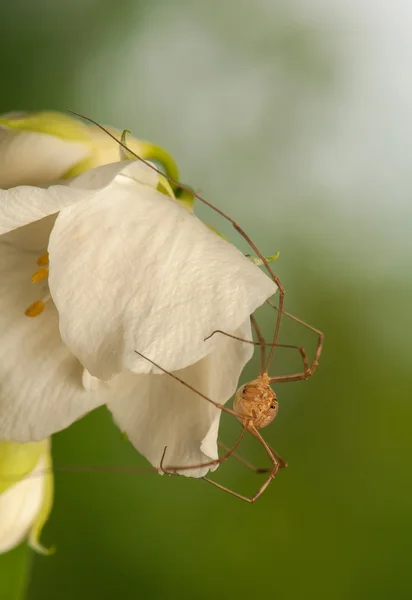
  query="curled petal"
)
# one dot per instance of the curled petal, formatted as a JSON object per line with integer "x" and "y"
{"x": 156, "y": 411}
{"x": 45, "y": 509}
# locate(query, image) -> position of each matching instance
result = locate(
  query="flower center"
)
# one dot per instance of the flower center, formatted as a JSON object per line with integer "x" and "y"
{"x": 35, "y": 309}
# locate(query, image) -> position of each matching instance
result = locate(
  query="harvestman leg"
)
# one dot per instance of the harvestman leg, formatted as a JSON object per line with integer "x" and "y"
{"x": 247, "y": 464}
{"x": 173, "y": 470}
{"x": 272, "y": 475}
{"x": 305, "y": 374}
{"x": 300, "y": 348}
{"x": 308, "y": 370}
{"x": 262, "y": 343}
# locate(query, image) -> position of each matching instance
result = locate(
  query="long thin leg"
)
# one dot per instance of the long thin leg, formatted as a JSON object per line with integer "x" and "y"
{"x": 248, "y": 465}
{"x": 272, "y": 475}
{"x": 308, "y": 371}
{"x": 244, "y": 462}
{"x": 161, "y": 467}
{"x": 222, "y": 214}
{"x": 300, "y": 348}
{"x": 271, "y": 452}
{"x": 190, "y": 387}
{"x": 236, "y": 494}
{"x": 172, "y": 470}
{"x": 131, "y": 470}
{"x": 261, "y": 342}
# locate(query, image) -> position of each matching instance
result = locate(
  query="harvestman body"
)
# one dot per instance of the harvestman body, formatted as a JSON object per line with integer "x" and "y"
{"x": 255, "y": 404}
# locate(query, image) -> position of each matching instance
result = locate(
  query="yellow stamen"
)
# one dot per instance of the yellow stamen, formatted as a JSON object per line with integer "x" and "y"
{"x": 40, "y": 274}
{"x": 35, "y": 309}
{"x": 43, "y": 260}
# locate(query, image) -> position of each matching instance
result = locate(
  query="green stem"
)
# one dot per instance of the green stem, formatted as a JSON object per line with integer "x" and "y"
{"x": 15, "y": 570}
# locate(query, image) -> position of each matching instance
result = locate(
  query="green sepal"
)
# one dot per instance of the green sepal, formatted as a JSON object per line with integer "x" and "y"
{"x": 17, "y": 460}
{"x": 153, "y": 153}
{"x": 218, "y": 233}
{"x": 125, "y": 153}
{"x": 149, "y": 152}
{"x": 160, "y": 156}
{"x": 164, "y": 187}
{"x": 259, "y": 262}
{"x": 44, "y": 513}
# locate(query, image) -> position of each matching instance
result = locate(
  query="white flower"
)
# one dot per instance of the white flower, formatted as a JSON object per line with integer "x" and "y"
{"x": 37, "y": 148}
{"x": 26, "y": 493}
{"x": 130, "y": 269}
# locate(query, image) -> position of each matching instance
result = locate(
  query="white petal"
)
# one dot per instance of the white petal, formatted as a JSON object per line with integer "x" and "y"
{"x": 20, "y": 505}
{"x": 41, "y": 388}
{"x": 28, "y": 158}
{"x": 157, "y": 411}
{"x": 26, "y": 204}
{"x": 130, "y": 270}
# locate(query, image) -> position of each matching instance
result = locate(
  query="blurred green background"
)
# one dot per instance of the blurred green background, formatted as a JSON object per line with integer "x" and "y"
{"x": 294, "y": 117}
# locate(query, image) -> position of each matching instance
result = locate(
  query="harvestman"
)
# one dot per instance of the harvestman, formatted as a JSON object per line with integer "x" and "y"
{"x": 255, "y": 404}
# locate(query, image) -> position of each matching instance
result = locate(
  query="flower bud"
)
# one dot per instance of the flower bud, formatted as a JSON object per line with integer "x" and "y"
{"x": 26, "y": 493}
{"x": 41, "y": 148}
